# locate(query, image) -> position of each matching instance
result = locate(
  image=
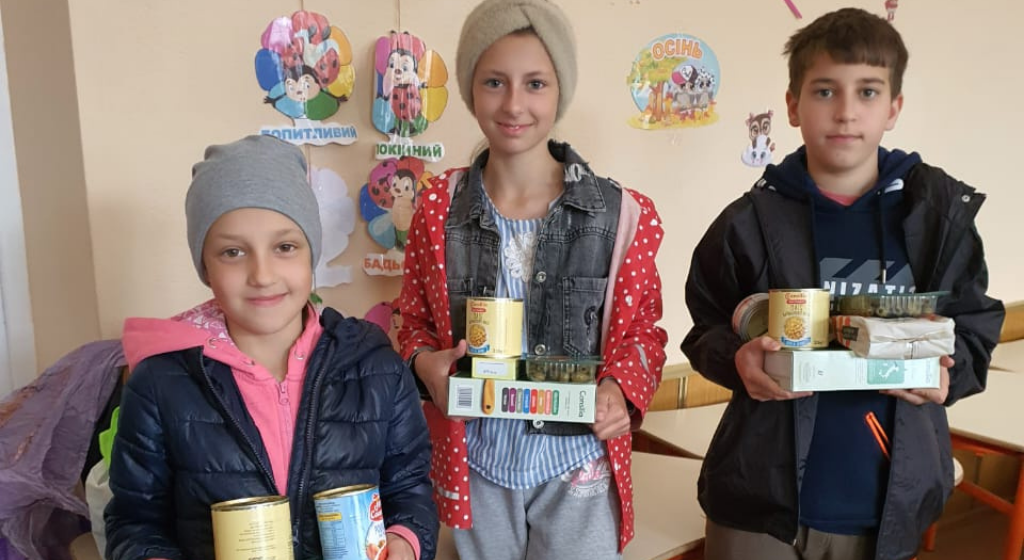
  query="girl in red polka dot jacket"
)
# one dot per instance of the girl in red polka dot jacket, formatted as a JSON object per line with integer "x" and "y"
{"x": 530, "y": 220}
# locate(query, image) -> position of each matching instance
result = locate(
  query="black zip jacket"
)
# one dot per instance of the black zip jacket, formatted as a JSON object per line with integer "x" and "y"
{"x": 751, "y": 475}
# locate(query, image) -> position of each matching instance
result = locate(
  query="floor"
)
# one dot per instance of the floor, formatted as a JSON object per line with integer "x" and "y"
{"x": 978, "y": 537}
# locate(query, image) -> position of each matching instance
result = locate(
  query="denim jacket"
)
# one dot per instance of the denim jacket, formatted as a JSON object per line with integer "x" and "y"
{"x": 565, "y": 297}
{"x": 607, "y": 302}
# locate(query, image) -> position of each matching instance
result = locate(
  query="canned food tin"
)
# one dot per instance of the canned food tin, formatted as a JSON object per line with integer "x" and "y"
{"x": 750, "y": 318}
{"x": 494, "y": 327}
{"x": 799, "y": 318}
{"x": 252, "y": 529}
{"x": 351, "y": 523}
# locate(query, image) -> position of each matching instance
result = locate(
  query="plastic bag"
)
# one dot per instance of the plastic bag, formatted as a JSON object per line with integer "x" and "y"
{"x": 45, "y": 432}
{"x": 97, "y": 494}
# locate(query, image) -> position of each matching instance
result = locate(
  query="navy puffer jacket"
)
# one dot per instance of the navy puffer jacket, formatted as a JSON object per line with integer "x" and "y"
{"x": 185, "y": 441}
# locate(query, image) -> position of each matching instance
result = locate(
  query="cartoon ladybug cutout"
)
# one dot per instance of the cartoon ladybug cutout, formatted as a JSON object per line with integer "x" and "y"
{"x": 305, "y": 66}
{"x": 389, "y": 200}
{"x": 411, "y": 90}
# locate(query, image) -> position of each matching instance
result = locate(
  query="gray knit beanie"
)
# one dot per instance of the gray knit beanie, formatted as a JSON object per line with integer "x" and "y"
{"x": 257, "y": 171}
{"x": 493, "y": 19}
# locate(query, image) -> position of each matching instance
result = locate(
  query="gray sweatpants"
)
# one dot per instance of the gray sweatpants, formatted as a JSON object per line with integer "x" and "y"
{"x": 723, "y": 543}
{"x": 575, "y": 515}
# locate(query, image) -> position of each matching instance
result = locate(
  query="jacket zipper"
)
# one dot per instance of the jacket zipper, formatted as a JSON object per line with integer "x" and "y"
{"x": 238, "y": 426}
{"x": 308, "y": 440}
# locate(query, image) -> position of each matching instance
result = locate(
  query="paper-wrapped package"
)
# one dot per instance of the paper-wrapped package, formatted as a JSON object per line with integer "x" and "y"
{"x": 900, "y": 339}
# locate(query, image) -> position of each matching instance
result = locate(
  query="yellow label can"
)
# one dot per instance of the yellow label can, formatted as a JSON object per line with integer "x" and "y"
{"x": 494, "y": 327}
{"x": 799, "y": 318}
{"x": 253, "y": 529}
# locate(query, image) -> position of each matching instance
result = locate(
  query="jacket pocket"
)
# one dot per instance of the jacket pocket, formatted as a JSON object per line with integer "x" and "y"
{"x": 459, "y": 290}
{"x": 582, "y": 309}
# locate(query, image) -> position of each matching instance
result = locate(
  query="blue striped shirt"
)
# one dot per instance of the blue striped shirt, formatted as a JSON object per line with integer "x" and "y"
{"x": 500, "y": 449}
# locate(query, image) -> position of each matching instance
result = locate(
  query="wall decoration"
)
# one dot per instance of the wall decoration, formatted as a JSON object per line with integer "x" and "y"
{"x": 674, "y": 82}
{"x": 410, "y": 95}
{"x": 792, "y": 8}
{"x": 758, "y": 152}
{"x": 387, "y": 202}
{"x": 305, "y": 68}
{"x": 337, "y": 219}
{"x": 890, "y": 9}
{"x": 386, "y": 315}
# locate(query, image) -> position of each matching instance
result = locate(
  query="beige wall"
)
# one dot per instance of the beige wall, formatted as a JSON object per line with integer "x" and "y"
{"x": 44, "y": 112}
{"x": 157, "y": 81}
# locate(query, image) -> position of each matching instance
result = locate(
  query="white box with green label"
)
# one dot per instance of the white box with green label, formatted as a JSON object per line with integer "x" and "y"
{"x": 525, "y": 400}
{"x": 841, "y": 370}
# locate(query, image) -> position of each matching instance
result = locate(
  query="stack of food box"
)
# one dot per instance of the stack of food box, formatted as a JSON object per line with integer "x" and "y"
{"x": 504, "y": 383}
{"x": 866, "y": 341}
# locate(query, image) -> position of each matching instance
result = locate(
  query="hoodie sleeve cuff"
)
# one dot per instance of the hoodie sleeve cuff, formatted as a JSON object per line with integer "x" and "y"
{"x": 408, "y": 535}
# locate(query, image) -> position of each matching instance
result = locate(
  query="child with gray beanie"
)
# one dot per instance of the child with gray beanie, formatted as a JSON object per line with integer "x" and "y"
{"x": 530, "y": 220}
{"x": 256, "y": 392}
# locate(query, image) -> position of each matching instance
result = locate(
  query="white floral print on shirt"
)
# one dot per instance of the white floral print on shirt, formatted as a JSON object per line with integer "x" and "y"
{"x": 518, "y": 255}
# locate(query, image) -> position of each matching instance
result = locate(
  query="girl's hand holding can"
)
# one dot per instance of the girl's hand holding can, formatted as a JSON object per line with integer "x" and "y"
{"x": 433, "y": 369}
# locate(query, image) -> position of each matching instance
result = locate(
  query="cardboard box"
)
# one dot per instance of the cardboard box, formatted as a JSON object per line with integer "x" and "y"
{"x": 525, "y": 400}
{"x": 494, "y": 368}
{"x": 842, "y": 370}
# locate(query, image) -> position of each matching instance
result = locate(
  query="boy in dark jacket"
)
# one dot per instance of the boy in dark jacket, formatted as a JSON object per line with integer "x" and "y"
{"x": 256, "y": 392}
{"x": 796, "y": 475}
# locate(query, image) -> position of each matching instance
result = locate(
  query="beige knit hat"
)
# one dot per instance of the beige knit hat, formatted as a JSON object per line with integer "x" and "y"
{"x": 493, "y": 19}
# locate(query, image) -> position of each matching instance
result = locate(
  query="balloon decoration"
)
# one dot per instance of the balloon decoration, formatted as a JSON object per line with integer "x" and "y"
{"x": 793, "y": 9}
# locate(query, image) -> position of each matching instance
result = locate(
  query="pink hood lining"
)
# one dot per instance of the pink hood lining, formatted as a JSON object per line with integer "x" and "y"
{"x": 203, "y": 325}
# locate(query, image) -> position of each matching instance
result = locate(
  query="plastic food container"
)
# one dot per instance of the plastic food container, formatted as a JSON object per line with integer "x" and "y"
{"x": 885, "y": 305}
{"x": 562, "y": 368}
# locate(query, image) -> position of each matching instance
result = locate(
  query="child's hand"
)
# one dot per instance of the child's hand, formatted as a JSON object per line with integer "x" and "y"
{"x": 433, "y": 367}
{"x": 921, "y": 396}
{"x": 398, "y": 549}
{"x": 750, "y": 365}
{"x": 611, "y": 418}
